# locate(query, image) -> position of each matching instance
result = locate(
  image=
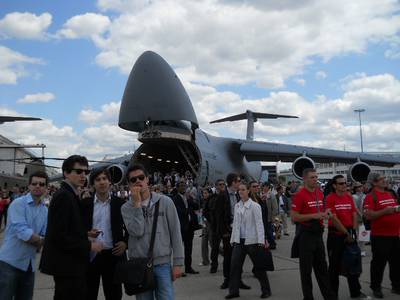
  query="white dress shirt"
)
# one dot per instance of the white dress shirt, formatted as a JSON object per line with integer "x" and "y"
{"x": 102, "y": 221}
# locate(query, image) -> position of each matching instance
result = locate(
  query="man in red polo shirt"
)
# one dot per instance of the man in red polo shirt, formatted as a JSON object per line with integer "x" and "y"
{"x": 308, "y": 210}
{"x": 382, "y": 209}
{"x": 342, "y": 226}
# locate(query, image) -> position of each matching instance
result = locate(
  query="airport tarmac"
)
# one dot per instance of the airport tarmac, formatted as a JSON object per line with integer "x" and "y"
{"x": 285, "y": 280}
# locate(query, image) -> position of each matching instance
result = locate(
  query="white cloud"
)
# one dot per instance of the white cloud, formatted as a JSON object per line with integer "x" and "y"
{"x": 35, "y": 98}
{"x": 95, "y": 142}
{"x": 25, "y": 25}
{"x": 85, "y": 26}
{"x": 320, "y": 75}
{"x": 323, "y": 122}
{"x": 109, "y": 113}
{"x": 12, "y": 65}
{"x": 122, "y": 5}
{"x": 255, "y": 47}
{"x": 394, "y": 49}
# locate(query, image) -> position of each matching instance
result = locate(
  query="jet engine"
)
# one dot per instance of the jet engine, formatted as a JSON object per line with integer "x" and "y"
{"x": 359, "y": 171}
{"x": 117, "y": 173}
{"x": 300, "y": 164}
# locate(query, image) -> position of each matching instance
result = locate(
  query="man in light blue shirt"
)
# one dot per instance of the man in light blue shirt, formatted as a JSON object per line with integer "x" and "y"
{"x": 26, "y": 227}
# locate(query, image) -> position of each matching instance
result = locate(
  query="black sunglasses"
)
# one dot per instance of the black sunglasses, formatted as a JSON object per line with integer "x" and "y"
{"x": 133, "y": 179}
{"x": 80, "y": 171}
{"x": 42, "y": 184}
{"x": 341, "y": 183}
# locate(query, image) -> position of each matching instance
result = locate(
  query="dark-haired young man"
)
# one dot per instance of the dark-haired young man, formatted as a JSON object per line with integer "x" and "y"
{"x": 138, "y": 213}
{"x": 24, "y": 235}
{"x": 308, "y": 210}
{"x": 67, "y": 248}
{"x": 103, "y": 221}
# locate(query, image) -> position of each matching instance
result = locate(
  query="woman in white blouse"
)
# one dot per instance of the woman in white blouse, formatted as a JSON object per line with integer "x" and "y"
{"x": 247, "y": 239}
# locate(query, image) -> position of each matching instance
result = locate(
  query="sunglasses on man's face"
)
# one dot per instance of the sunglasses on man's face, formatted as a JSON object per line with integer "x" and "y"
{"x": 133, "y": 179}
{"x": 80, "y": 171}
{"x": 341, "y": 183}
{"x": 41, "y": 184}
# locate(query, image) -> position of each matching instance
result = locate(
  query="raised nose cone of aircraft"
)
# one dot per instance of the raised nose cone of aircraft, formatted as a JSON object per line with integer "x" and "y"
{"x": 154, "y": 93}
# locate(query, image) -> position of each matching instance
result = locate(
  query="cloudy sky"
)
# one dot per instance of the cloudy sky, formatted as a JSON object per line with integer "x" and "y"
{"x": 68, "y": 61}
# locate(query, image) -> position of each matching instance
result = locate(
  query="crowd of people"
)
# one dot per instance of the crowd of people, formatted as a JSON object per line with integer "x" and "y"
{"x": 87, "y": 232}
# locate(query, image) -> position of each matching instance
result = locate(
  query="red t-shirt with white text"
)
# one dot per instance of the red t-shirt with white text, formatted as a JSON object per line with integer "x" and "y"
{"x": 343, "y": 207}
{"x": 305, "y": 202}
{"x": 387, "y": 225}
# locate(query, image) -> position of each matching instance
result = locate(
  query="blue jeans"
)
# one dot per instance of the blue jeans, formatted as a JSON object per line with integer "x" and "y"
{"x": 164, "y": 288}
{"x": 15, "y": 283}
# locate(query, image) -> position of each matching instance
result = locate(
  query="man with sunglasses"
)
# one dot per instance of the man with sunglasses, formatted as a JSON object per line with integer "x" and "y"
{"x": 26, "y": 227}
{"x": 103, "y": 221}
{"x": 382, "y": 209}
{"x": 138, "y": 213}
{"x": 342, "y": 229}
{"x": 66, "y": 250}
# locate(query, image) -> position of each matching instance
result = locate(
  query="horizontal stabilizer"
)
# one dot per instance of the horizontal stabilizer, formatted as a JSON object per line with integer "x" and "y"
{"x": 251, "y": 118}
{"x": 254, "y": 115}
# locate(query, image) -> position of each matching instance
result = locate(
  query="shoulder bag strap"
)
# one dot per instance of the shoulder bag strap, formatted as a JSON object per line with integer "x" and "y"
{"x": 153, "y": 230}
{"x": 375, "y": 198}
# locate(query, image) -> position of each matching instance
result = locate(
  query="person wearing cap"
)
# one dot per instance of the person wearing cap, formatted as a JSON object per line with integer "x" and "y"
{"x": 382, "y": 210}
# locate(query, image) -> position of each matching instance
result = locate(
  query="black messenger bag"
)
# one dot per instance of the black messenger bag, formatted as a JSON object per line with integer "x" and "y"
{"x": 137, "y": 273}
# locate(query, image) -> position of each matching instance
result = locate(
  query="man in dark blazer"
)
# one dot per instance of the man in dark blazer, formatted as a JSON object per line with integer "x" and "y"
{"x": 66, "y": 247}
{"x": 223, "y": 216}
{"x": 103, "y": 221}
{"x": 186, "y": 207}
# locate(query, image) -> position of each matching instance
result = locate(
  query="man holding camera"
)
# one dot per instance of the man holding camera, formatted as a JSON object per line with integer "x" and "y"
{"x": 382, "y": 209}
{"x": 103, "y": 221}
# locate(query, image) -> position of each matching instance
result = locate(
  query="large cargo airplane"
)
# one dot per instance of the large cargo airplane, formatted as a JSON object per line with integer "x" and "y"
{"x": 156, "y": 105}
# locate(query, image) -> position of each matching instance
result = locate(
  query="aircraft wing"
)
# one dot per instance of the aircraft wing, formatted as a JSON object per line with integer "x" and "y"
{"x": 4, "y": 119}
{"x": 264, "y": 151}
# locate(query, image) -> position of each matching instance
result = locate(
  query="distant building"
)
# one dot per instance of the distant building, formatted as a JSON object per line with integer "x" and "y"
{"x": 14, "y": 168}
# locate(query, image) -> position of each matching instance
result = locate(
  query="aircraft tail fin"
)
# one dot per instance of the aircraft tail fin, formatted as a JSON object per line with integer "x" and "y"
{"x": 251, "y": 118}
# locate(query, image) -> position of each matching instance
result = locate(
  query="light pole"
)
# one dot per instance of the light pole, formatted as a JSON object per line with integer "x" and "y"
{"x": 359, "y": 111}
